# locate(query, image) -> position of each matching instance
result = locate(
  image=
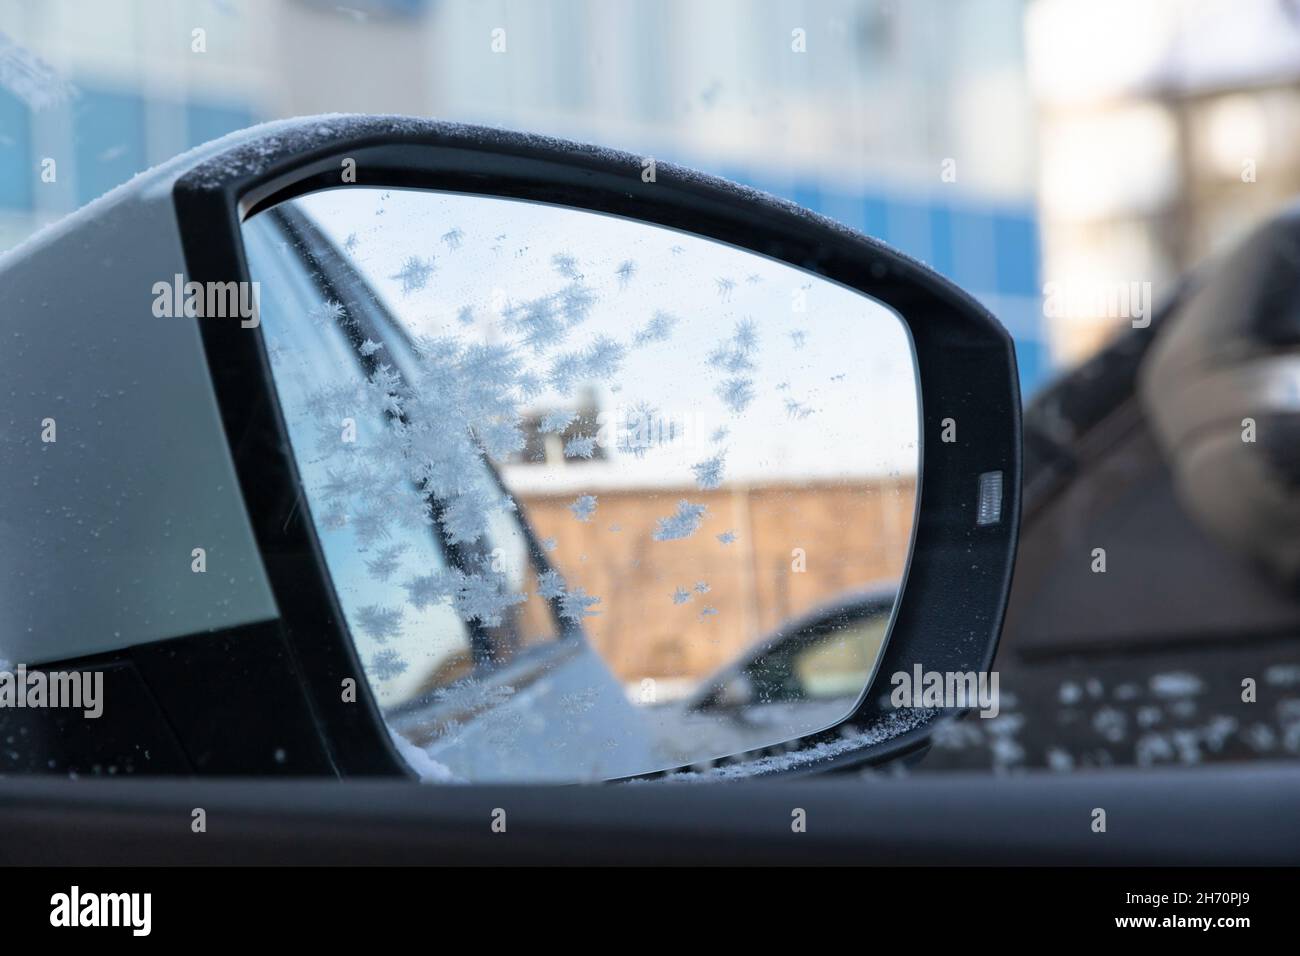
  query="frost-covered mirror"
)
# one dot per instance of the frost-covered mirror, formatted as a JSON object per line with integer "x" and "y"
{"x": 597, "y": 497}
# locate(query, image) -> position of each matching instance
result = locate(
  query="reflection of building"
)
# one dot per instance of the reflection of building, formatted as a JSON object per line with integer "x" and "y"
{"x": 795, "y": 547}
{"x": 1166, "y": 130}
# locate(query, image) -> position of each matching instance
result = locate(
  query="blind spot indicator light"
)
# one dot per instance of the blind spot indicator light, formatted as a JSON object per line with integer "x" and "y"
{"x": 989, "y": 510}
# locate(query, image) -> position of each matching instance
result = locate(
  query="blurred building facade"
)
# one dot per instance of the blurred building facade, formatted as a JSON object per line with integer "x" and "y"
{"x": 140, "y": 96}
{"x": 910, "y": 121}
{"x": 1167, "y": 129}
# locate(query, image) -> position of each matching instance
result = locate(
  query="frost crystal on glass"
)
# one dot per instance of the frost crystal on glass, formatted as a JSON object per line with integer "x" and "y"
{"x": 414, "y": 274}
{"x": 576, "y": 603}
{"x": 584, "y": 507}
{"x": 736, "y": 393}
{"x": 550, "y": 585}
{"x": 582, "y": 446}
{"x": 381, "y": 623}
{"x": 683, "y": 524}
{"x": 387, "y": 664}
{"x": 708, "y": 473}
{"x": 557, "y": 421}
{"x": 658, "y": 329}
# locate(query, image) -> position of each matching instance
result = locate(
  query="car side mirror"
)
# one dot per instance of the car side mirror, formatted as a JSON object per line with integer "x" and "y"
{"x": 603, "y": 423}
{"x": 533, "y": 441}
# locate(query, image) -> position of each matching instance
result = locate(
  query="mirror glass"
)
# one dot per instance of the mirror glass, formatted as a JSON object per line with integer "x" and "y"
{"x": 597, "y": 497}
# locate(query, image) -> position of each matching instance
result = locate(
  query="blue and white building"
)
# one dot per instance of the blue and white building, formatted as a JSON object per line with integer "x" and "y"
{"x": 909, "y": 121}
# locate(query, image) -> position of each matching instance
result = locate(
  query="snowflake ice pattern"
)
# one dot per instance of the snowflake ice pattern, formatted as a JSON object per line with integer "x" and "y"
{"x": 558, "y": 420}
{"x": 328, "y": 313}
{"x": 584, "y": 507}
{"x": 658, "y": 329}
{"x": 576, "y": 604}
{"x": 708, "y": 473}
{"x": 387, "y": 665}
{"x": 580, "y": 446}
{"x": 383, "y": 565}
{"x": 380, "y": 623}
{"x": 414, "y": 274}
{"x": 550, "y": 585}
{"x": 683, "y": 524}
{"x": 736, "y": 393}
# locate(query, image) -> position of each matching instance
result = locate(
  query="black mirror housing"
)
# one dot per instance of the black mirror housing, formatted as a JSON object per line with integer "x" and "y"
{"x": 951, "y": 607}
